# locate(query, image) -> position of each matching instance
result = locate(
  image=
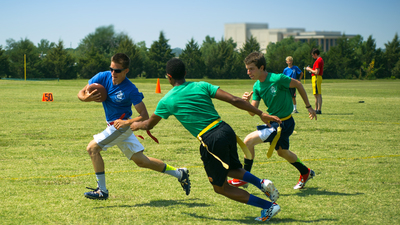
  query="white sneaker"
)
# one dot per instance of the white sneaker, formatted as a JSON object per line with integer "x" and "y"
{"x": 267, "y": 214}
{"x": 269, "y": 189}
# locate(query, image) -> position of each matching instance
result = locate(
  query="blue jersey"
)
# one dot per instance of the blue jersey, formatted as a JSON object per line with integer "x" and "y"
{"x": 119, "y": 97}
{"x": 292, "y": 72}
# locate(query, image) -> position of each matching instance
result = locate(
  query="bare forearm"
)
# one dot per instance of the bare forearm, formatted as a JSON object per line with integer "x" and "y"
{"x": 303, "y": 94}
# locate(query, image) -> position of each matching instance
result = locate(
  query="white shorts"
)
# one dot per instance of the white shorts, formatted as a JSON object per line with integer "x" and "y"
{"x": 123, "y": 138}
{"x": 264, "y": 131}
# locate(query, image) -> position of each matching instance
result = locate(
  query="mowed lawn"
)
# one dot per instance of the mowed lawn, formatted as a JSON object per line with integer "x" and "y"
{"x": 353, "y": 147}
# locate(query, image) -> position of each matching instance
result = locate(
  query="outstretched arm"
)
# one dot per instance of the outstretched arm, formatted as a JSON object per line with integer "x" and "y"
{"x": 297, "y": 84}
{"x": 143, "y": 115}
{"x": 245, "y": 105}
{"x": 147, "y": 124}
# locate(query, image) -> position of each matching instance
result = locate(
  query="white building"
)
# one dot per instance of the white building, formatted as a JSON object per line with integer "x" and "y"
{"x": 241, "y": 32}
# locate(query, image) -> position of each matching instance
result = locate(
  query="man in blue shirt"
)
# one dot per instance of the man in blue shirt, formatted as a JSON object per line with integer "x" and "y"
{"x": 121, "y": 95}
{"x": 293, "y": 72}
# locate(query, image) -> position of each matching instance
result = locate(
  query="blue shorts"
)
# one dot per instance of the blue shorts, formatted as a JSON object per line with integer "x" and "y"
{"x": 287, "y": 130}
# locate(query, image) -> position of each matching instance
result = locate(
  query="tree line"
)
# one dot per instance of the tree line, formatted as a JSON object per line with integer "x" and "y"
{"x": 351, "y": 58}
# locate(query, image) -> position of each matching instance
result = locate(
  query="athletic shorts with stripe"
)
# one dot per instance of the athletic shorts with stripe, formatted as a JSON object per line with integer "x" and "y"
{"x": 267, "y": 134}
{"x": 124, "y": 138}
{"x": 221, "y": 141}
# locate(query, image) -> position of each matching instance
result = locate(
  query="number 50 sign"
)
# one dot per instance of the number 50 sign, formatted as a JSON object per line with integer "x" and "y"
{"x": 47, "y": 97}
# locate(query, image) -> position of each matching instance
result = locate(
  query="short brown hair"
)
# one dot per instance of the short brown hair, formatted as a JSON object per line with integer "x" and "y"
{"x": 315, "y": 51}
{"x": 257, "y": 58}
{"x": 121, "y": 59}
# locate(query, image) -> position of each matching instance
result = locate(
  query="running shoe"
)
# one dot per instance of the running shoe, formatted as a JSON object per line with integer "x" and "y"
{"x": 96, "y": 194}
{"x": 238, "y": 183}
{"x": 304, "y": 178}
{"x": 270, "y": 190}
{"x": 267, "y": 214}
{"x": 184, "y": 180}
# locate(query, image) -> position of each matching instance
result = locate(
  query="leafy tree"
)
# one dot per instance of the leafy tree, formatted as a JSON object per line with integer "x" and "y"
{"x": 133, "y": 52}
{"x": 342, "y": 60}
{"x": 366, "y": 53}
{"x": 16, "y": 51}
{"x": 191, "y": 56}
{"x": 143, "y": 51}
{"x": 370, "y": 50}
{"x": 277, "y": 53}
{"x": 4, "y": 63}
{"x": 250, "y": 46}
{"x": 208, "y": 50}
{"x": 225, "y": 61}
{"x": 396, "y": 70}
{"x": 392, "y": 54}
{"x": 93, "y": 63}
{"x": 96, "y": 49}
{"x": 59, "y": 63}
{"x": 159, "y": 54}
{"x": 44, "y": 46}
{"x": 380, "y": 70}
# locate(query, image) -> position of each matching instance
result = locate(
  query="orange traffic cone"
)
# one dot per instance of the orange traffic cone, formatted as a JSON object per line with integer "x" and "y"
{"x": 158, "y": 88}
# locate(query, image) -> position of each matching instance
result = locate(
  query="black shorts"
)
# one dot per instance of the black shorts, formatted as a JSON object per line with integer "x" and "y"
{"x": 292, "y": 92}
{"x": 221, "y": 141}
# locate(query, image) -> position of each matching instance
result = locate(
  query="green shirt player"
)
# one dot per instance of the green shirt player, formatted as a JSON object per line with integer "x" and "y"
{"x": 273, "y": 89}
{"x": 191, "y": 104}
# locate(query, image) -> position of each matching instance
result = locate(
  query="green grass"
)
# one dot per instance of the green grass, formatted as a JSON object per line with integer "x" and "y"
{"x": 353, "y": 148}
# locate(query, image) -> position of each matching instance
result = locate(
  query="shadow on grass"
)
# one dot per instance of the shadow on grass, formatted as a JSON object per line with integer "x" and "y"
{"x": 315, "y": 191}
{"x": 162, "y": 203}
{"x": 251, "y": 220}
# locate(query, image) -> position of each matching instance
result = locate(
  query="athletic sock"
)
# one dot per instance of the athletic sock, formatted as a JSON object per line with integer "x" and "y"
{"x": 101, "y": 181}
{"x": 250, "y": 178}
{"x": 248, "y": 163}
{"x": 170, "y": 170}
{"x": 294, "y": 107}
{"x": 300, "y": 167}
{"x": 259, "y": 202}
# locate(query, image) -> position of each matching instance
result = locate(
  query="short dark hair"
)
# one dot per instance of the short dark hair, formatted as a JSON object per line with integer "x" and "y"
{"x": 315, "y": 51}
{"x": 257, "y": 58}
{"x": 121, "y": 59}
{"x": 176, "y": 68}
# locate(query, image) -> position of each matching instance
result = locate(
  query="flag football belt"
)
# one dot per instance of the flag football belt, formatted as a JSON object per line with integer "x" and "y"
{"x": 238, "y": 140}
{"x": 276, "y": 138}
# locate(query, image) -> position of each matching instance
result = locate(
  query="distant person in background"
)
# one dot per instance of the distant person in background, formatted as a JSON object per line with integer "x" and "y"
{"x": 293, "y": 72}
{"x": 316, "y": 78}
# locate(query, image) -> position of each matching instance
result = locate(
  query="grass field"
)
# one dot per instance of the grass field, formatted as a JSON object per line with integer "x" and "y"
{"x": 353, "y": 148}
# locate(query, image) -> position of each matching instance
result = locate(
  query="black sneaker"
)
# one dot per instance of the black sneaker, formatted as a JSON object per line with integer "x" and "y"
{"x": 318, "y": 112}
{"x": 185, "y": 182}
{"x": 96, "y": 194}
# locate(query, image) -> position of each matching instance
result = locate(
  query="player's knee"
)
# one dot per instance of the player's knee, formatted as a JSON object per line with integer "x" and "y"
{"x": 93, "y": 148}
{"x": 249, "y": 141}
{"x": 218, "y": 190}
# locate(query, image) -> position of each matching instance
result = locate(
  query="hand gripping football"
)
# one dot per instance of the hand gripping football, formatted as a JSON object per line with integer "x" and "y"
{"x": 99, "y": 89}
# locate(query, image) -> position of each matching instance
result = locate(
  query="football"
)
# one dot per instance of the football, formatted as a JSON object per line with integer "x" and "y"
{"x": 99, "y": 89}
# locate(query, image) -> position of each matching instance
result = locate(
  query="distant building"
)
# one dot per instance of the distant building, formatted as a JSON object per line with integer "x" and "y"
{"x": 241, "y": 32}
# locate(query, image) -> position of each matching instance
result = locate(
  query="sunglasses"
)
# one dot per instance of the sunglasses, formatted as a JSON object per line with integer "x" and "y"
{"x": 116, "y": 70}
{"x": 166, "y": 76}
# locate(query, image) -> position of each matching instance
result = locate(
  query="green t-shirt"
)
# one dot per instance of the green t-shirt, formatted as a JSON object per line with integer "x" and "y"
{"x": 191, "y": 104}
{"x": 274, "y": 91}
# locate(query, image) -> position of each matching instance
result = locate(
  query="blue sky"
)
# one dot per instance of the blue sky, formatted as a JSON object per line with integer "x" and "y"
{"x": 181, "y": 20}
